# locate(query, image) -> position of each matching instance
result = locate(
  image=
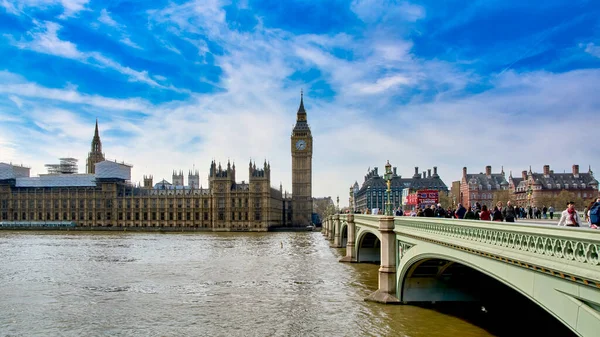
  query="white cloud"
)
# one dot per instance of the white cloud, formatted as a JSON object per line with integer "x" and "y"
{"x": 592, "y": 49}
{"x": 18, "y": 102}
{"x": 374, "y": 11}
{"x": 70, "y": 7}
{"x": 13, "y": 86}
{"x": 126, "y": 40}
{"x": 44, "y": 39}
{"x": 383, "y": 84}
{"x": 106, "y": 19}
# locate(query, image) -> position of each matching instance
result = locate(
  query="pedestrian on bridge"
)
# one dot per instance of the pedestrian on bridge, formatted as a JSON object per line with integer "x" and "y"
{"x": 551, "y": 211}
{"x": 497, "y": 214}
{"x": 509, "y": 212}
{"x": 569, "y": 217}
{"x": 485, "y": 214}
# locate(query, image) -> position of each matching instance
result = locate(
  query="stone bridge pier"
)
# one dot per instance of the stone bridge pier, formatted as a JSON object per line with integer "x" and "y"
{"x": 350, "y": 250}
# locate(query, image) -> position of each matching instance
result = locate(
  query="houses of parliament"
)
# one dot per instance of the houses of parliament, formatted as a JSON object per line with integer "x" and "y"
{"x": 105, "y": 197}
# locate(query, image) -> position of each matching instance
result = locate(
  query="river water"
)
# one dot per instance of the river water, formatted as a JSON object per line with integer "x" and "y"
{"x": 201, "y": 284}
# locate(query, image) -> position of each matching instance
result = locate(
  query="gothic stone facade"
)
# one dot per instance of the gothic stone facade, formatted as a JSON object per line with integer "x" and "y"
{"x": 95, "y": 201}
{"x": 105, "y": 197}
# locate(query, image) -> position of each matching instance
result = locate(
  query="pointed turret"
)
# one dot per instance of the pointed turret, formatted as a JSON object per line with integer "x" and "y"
{"x": 96, "y": 135}
{"x": 301, "y": 123}
{"x": 301, "y": 107}
{"x": 95, "y": 156}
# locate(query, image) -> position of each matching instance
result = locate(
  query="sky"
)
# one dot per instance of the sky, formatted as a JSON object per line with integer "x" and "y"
{"x": 175, "y": 84}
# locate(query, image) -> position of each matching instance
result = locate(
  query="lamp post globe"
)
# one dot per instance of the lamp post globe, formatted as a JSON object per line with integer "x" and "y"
{"x": 388, "y": 177}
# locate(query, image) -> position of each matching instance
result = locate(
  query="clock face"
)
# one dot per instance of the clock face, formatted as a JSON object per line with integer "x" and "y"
{"x": 301, "y": 145}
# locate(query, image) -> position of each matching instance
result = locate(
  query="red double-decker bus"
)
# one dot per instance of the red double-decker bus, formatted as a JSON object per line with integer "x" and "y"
{"x": 423, "y": 198}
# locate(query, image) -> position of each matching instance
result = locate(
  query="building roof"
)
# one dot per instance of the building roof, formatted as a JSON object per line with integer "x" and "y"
{"x": 58, "y": 180}
{"x": 109, "y": 170}
{"x": 495, "y": 181}
{"x": 9, "y": 171}
{"x": 516, "y": 181}
{"x": 373, "y": 180}
{"x": 560, "y": 180}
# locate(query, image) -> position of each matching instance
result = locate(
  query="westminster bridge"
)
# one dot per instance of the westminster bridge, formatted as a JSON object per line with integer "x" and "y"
{"x": 437, "y": 260}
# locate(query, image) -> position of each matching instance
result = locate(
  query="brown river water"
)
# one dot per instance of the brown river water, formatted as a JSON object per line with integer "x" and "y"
{"x": 201, "y": 284}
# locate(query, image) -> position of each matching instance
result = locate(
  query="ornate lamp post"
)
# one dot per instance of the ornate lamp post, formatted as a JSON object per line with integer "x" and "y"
{"x": 338, "y": 204}
{"x": 388, "y": 178}
{"x": 355, "y": 190}
{"x": 529, "y": 193}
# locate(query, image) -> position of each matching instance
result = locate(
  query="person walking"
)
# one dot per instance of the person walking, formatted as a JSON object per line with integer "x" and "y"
{"x": 544, "y": 212}
{"x": 497, "y": 215}
{"x": 551, "y": 212}
{"x": 485, "y": 214}
{"x": 569, "y": 217}
{"x": 470, "y": 215}
{"x": 460, "y": 211}
{"x": 509, "y": 212}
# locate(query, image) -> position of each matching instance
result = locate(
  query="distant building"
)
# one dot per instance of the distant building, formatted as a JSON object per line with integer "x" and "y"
{"x": 105, "y": 196}
{"x": 372, "y": 193}
{"x": 548, "y": 183}
{"x": 481, "y": 187}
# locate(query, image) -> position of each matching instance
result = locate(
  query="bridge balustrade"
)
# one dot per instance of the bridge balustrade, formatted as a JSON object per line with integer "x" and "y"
{"x": 556, "y": 267}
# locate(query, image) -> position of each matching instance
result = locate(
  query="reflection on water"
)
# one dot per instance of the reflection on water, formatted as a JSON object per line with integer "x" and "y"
{"x": 214, "y": 284}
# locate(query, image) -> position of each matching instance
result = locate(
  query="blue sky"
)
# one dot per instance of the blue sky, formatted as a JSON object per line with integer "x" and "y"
{"x": 175, "y": 84}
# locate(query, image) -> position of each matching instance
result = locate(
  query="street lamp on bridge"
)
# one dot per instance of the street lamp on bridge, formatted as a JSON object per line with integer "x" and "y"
{"x": 355, "y": 190}
{"x": 529, "y": 195}
{"x": 338, "y": 204}
{"x": 388, "y": 178}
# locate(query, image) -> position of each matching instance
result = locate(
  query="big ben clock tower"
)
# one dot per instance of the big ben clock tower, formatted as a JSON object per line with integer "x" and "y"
{"x": 302, "y": 147}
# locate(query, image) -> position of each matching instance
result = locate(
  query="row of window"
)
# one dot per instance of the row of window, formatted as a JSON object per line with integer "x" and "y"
{"x": 235, "y": 216}
{"x": 99, "y": 203}
{"x": 482, "y": 196}
{"x": 553, "y": 186}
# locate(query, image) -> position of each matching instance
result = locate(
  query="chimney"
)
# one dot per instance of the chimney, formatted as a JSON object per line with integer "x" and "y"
{"x": 464, "y": 171}
{"x": 524, "y": 175}
{"x": 416, "y": 171}
{"x": 546, "y": 170}
{"x": 435, "y": 171}
{"x": 395, "y": 171}
{"x": 376, "y": 169}
{"x": 428, "y": 173}
{"x": 488, "y": 170}
{"x": 576, "y": 171}
{"x": 424, "y": 174}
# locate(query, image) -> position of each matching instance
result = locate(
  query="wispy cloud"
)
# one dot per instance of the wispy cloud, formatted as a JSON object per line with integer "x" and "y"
{"x": 372, "y": 11}
{"x": 70, "y": 7}
{"x": 16, "y": 87}
{"x": 592, "y": 49}
{"x": 106, "y": 19}
{"x": 44, "y": 39}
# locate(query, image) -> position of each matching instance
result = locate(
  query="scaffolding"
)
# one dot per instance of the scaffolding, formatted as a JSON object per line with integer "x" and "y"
{"x": 66, "y": 166}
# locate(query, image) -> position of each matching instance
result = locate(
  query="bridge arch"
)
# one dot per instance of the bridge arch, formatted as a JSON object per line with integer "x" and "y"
{"x": 343, "y": 234}
{"x": 368, "y": 246}
{"x": 426, "y": 272}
